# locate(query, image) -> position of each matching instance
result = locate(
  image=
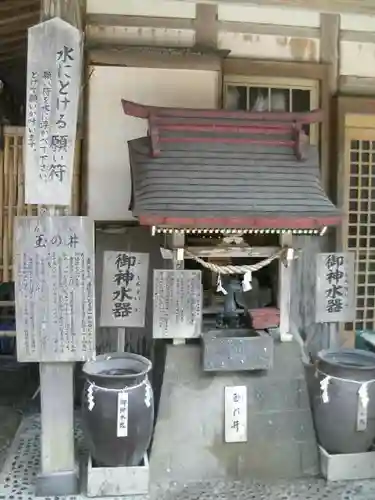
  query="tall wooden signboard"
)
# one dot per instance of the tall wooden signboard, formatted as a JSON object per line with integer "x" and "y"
{"x": 54, "y": 255}
{"x": 53, "y": 86}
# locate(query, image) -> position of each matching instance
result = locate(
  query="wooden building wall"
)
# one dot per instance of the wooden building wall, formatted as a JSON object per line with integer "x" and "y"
{"x": 336, "y": 50}
{"x": 126, "y": 43}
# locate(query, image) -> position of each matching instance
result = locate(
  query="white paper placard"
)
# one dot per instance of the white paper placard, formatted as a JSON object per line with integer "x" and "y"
{"x": 122, "y": 414}
{"x": 54, "y": 288}
{"x": 335, "y": 294}
{"x": 54, "y": 62}
{"x": 177, "y": 304}
{"x": 235, "y": 414}
{"x": 124, "y": 289}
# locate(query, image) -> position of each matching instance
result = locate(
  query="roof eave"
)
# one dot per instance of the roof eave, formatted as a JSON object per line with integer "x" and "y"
{"x": 259, "y": 222}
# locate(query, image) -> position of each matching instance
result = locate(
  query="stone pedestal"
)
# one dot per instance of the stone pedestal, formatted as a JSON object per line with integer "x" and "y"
{"x": 189, "y": 442}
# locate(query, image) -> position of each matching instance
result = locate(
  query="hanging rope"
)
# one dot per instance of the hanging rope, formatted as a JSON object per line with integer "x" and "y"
{"x": 281, "y": 254}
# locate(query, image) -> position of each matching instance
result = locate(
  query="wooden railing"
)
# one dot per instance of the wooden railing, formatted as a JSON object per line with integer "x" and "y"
{"x": 12, "y": 194}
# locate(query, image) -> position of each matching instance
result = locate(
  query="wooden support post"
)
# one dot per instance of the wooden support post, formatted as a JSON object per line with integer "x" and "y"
{"x": 59, "y": 475}
{"x": 206, "y": 26}
{"x": 177, "y": 244}
{"x": 330, "y": 55}
{"x": 285, "y": 287}
{"x": 121, "y": 339}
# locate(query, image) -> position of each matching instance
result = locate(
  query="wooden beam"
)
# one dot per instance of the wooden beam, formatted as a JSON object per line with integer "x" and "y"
{"x": 268, "y": 29}
{"x": 357, "y": 85}
{"x": 12, "y": 29}
{"x": 357, "y": 36}
{"x": 152, "y": 57}
{"x": 110, "y": 20}
{"x": 349, "y": 6}
{"x": 206, "y": 25}
{"x": 15, "y": 47}
{"x": 27, "y": 17}
{"x": 20, "y": 5}
{"x": 18, "y": 53}
{"x": 9, "y": 40}
{"x": 284, "y": 69}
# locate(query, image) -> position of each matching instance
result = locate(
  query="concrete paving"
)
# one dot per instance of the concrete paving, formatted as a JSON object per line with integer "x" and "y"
{"x": 296, "y": 490}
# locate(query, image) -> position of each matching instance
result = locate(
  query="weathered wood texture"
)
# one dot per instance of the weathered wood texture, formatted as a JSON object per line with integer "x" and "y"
{"x": 330, "y": 47}
{"x": 355, "y": 6}
{"x": 357, "y": 85}
{"x": 12, "y": 194}
{"x": 71, "y": 11}
{"x": 206, "y": 26}
{"x": 303, "y": 292}
{"x": 54, "y": 278}
{"x": 52, "y": 94}
{"x": 15, "y": 18}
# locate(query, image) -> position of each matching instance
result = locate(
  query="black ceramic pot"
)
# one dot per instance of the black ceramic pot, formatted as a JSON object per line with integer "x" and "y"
{"x": 336, "y": 420}
{"x": 117, "y": 408}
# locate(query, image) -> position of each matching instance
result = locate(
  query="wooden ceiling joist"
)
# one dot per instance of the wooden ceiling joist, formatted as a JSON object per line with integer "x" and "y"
{"x": 17, "y": 5}
{"x": 14, "y": 47}
{"x": 16, "y": 16}
{"x": 11, "y": 39}
{"x": 28, "y": 17}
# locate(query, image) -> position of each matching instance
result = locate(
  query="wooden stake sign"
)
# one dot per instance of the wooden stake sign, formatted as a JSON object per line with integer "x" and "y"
{"x": 54, "y": 288}
{"x": 53, "y": 86}
{"x": 124, "y": 289}
{"x": 335, "y": 291}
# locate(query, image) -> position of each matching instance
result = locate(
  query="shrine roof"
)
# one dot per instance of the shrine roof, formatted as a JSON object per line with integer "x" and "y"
{"x": 215, "y": 169}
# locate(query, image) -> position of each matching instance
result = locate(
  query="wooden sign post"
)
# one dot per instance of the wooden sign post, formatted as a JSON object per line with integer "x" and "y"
{"x": 54, "y": 63}
{"x": 124, "y": 292}
{"x": 335, "y": 294}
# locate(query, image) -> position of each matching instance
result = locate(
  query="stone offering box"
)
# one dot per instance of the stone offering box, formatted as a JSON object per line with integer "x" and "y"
{"x": 118, "y": 481}
{"x": 227, "y": 350}
{"x": 347, "y": 466}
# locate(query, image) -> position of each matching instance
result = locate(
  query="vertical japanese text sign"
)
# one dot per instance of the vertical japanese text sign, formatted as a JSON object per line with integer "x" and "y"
{"x": 335, "y": 297}
{"x": 124, "y": 289}
{"x": 54, "y": 288}
{"x": 235, "y": 414}
{"x": 53, "y": 85}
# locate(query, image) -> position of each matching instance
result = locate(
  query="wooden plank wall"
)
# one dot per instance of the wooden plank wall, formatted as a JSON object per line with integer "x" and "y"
{"x": 12, "y": 194}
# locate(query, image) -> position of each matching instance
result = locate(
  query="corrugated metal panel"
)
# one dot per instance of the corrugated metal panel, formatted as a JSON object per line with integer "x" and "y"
{"x": 200, "y": 179}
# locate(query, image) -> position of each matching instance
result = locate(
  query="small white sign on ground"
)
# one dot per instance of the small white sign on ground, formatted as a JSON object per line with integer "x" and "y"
{"x": 124, "y": 289}
{"x": 54, "y": 288}
{"x": 235, "y": 414}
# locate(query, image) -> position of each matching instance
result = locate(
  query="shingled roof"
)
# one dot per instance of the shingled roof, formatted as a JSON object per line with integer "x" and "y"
{"x": 219, "y": 169}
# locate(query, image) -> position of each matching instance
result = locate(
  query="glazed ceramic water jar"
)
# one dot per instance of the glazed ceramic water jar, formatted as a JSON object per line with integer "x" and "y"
{"x": 340, "y": 374}
{"x": 117, "y": 408}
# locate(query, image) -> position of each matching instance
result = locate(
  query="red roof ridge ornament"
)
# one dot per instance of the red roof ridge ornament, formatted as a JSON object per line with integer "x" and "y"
{"x": 167, "y": 125}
